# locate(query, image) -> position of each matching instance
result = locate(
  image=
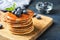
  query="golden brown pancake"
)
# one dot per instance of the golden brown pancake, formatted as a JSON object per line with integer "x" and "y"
{"x": 22, "y": 17}
{"x": 22, "y": 24}
{"x": 21, "y": 29}
{"x": 26, "y": 32}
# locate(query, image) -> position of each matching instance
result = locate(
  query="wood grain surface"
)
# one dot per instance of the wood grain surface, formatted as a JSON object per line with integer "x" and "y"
{"x": 40, "y": 26}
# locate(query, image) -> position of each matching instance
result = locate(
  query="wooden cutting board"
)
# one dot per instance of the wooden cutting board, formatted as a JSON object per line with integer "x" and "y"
{"x": 40, "y": 26}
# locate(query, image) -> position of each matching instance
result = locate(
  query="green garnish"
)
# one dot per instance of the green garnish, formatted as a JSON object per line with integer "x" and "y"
{"x": 11, "y": 8}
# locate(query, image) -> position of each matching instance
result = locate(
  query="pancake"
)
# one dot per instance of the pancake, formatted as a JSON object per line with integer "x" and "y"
{"x": 20, "y": 29}
{"x": 21, "y": 25}
{"x": 22, "y": 22}
{"x": 2, "y": 16}
{"x": 22, "y": 33}
{"x": 22, "y": 17}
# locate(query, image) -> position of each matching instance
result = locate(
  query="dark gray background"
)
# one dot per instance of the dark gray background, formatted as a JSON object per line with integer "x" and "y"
{"x": 52, "y": 33}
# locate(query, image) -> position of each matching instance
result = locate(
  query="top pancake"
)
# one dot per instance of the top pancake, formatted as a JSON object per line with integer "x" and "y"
{"x": 23, "y": 16}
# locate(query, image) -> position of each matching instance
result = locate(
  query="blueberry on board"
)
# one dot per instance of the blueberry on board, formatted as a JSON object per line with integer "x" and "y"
{"x": 24, "y": 11}
{"x": 35, "y": 14}
{"x": 38, "y": 17}
{"x": 1, "y": 26}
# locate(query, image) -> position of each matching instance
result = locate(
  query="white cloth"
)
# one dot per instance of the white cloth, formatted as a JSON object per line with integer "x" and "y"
{"x": 7, "y": 3}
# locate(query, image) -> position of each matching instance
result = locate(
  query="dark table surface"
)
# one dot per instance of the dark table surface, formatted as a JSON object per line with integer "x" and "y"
{"x": 52, "y": 33}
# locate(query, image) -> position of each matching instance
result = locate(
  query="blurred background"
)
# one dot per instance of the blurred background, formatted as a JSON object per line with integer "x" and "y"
{"x": 52, "y": 33}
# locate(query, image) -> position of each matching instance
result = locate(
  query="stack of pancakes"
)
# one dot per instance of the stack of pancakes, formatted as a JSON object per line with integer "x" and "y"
{"x": 22, "y": 24}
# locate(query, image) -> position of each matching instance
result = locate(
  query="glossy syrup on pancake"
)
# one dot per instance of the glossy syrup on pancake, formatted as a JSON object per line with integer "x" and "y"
{"x": 23, "y": 20}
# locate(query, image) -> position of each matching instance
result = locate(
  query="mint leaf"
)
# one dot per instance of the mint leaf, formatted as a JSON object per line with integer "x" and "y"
{"x": 11, "y": 8}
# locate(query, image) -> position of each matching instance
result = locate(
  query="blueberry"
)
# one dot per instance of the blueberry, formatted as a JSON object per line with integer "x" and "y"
{"x": 1, "y": 26}
{"x": 4, "y": 10}
{"x": 35, "y": 14}
{"x": 18, "y": 14}
{"x": 13, "y": 11}
{"x": 17, "y": 11}
{"x": 18, "y": 8}
{"x": 26, "y": 6}
{"x": 38, "y": 17}
{"x": 24, "y": 11}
